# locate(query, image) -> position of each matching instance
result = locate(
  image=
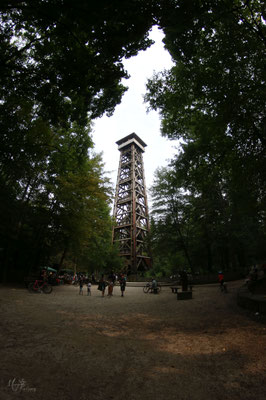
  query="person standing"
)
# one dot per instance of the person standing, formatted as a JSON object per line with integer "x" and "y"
{"x": 110, "y": 288}
{"x": 154, "y": 286}
{"x": 89, "y": 288}
{"x": 122, "y": 285}
{"x": 102, "y": 285}
{"x": 81, "y": 287}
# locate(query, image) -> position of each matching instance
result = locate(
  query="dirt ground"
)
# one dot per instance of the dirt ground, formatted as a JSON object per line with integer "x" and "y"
{"x": 65, "y": 346}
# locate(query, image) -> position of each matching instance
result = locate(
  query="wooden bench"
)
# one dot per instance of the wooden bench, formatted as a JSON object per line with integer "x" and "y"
{"x": 176, "y": 289}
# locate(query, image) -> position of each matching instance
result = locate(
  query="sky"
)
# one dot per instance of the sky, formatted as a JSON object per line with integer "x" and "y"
{"x": 131, "y": 115}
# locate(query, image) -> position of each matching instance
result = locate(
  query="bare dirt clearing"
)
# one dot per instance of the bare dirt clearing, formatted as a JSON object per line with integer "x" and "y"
{"x": 65, "y": 346}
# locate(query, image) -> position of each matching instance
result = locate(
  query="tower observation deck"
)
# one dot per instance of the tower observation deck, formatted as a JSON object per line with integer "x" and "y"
{"x": 131, "y": 207}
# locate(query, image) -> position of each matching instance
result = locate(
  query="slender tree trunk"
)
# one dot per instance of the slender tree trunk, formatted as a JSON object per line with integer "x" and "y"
{"x": 63, "y": 258}
{"x": 209, "y": 252}
{"x": 185, "y": 249}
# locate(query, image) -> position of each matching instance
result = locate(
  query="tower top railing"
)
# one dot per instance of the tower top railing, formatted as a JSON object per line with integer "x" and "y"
{"x": 129, "y": 139}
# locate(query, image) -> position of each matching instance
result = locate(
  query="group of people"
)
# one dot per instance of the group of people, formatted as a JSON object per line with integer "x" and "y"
{"x": 81, "y": 287}
{"x": 103, "y": 284}
{"x": 49, "y": 276}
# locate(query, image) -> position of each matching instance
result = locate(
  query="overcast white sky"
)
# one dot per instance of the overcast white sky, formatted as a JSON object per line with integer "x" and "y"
{"x": 131, "y": 116}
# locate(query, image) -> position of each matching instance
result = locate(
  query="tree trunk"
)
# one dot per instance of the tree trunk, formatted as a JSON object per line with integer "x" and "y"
{"x": 62, "y": 258}
{"x": 185, "y": 249}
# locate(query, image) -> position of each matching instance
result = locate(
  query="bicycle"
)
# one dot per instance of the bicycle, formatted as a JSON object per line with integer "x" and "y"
{"x": 40, "y": 286}
{"x": 149, "y": 289}
{"x": 223, "y": 287}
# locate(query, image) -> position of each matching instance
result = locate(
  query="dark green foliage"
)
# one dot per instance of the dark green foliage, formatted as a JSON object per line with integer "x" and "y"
{"x": 60, "y": 67}
{"x": 67, "y": 56}
{"x": 55, "y": 206}
{"x": 213, "y": 99}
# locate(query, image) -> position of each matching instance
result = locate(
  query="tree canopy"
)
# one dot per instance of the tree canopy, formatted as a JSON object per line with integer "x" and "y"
{"x": 213, "y": 100}
{"x": 61, "y": 66}
{"x": 66, "y": 56}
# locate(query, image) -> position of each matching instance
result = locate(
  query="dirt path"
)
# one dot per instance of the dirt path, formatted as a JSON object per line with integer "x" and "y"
{"x": 64, "y": 346}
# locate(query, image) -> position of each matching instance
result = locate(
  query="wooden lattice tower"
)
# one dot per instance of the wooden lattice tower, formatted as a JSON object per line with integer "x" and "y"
{"x": 131, "y": 207}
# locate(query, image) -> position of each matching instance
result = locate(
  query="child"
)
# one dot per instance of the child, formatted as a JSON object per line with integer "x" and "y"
{"x": 81, "y": 287}
{"x": 89, "y": 289}
{"x": 110, "y": 288}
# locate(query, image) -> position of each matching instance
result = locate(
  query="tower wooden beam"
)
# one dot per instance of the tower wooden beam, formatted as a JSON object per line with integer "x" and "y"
{"x": 131, "y": 206}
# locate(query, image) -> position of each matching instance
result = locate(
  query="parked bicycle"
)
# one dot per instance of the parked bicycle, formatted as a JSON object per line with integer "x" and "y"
{"x": 40, "y": 286}
{"x": 149, "y": 289}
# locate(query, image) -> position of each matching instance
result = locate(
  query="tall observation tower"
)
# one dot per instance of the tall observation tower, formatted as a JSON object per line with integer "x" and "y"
{"x": 130, "y": 207}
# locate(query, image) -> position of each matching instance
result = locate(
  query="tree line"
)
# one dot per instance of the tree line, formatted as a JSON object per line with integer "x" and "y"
{"x": 61, "y": 66}
{"x": 210, "y": 203}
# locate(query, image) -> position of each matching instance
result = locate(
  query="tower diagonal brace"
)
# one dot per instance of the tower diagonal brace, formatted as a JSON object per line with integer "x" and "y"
{"x": 131, "y": 207}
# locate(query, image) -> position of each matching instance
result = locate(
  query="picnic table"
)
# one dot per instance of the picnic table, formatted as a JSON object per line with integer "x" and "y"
{"x": 175, "y": 289}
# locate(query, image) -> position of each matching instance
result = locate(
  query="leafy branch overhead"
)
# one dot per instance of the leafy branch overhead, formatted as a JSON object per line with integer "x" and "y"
{"x": 61, "y": 66}
{"x": 213, "y": 100}
{"x": 67, "y": 57}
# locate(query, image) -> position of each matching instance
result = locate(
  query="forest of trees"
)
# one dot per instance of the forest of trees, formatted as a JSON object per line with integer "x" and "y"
{"x": 213, "y": 100}
{"x": 61, "y": 66}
